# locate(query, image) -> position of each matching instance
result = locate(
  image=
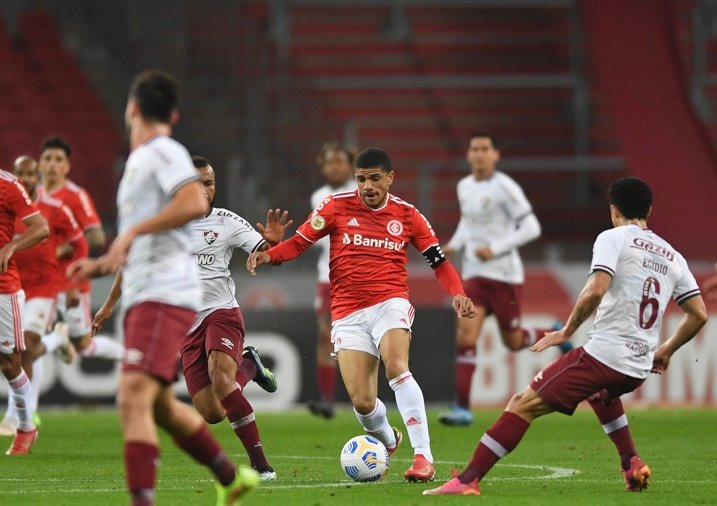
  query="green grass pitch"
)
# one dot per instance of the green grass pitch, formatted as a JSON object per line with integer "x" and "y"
{"x": 77, "y": 461}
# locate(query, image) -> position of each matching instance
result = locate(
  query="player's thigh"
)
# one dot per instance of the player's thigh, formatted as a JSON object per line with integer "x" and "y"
{"x": 137, "y": 392}
{"x": 359, "y": 372}
{"x": 394, "y": 350}
{"x": 208, "y": 405}
{"x": 174, "y": 416}
{"x": 222, "y": 372}
{"x": 468, "y": 329}
{"x": 11, "y": 335}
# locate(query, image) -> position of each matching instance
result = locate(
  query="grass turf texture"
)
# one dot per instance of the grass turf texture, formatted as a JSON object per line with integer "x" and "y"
{"x": 77, "y": 461}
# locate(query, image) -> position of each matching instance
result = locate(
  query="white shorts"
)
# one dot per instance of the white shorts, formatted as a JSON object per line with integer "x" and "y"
{"x": 77, "y": 318}
{"x": 364, "y": 329}
{"x": 11, "y": 322}
{"x": 38, "y": 314}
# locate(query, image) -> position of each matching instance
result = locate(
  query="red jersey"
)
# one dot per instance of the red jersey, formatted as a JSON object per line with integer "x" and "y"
{"x": 15, "y": 204}
{"x": 83, "y": 208}
{"x": 40, "y": 271}
{"x": 367, "y": 259}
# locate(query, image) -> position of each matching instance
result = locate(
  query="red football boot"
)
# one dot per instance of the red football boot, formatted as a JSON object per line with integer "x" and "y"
{"x": 637, "y": 478}
{"x": 455, "y": 487}
{"x": 421, "y": 470}
{"x": 22, "y": 443}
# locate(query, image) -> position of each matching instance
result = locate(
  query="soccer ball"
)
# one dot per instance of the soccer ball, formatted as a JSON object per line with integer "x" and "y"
{"x": 364, "y": 458}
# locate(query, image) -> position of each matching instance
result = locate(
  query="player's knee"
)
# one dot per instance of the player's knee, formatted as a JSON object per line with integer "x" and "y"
{"x": 212, "y": 414}
{"x": 81, "y": 343}
{"x": 363, "y": 403}
{"x": 513, "y": 339}
{"x": 394, "y": 367}
{"x": 223, "y": 378}
{"x": 515, "y": 403}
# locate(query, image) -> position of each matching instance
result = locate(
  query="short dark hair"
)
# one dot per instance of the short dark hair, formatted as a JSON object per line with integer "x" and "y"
{"x": 334, "y": 146}
{"x": 56, "y": 142}
{"x": 632, "y": 196}
{"x": 486, "y": 135}
{"x": 373, "y": 157}
{"x": 156, "y": 93}
{"x": 200, "y": 162}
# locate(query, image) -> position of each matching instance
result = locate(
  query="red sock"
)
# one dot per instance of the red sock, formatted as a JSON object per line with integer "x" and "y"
{"x": 241, "y": 416}
{"x": 326, "y": 379}
{"x": 245, "y": 372}
{"x": 204, "y": 449}
{"x": 531, "y": 335}
{"x": 502, "y": 437}
{"x": 614, "y": 421}
{"x": 140, "y": 462}
{"x": 465, "y": 367}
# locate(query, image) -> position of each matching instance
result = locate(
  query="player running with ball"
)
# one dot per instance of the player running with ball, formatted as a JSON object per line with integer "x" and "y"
{"x": 634, "y": 272}
{"x": 369, "y": 230}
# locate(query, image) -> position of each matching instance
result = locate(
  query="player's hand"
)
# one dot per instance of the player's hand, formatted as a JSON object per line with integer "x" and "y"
{"x": 255, "y": 260}
{"x": 464, "y": 307}
{"x": 64, "y": 250}
{"x": 82, "y": 270}
{"x": 6, "y": 253}
{"x": 116, "y": 256}
{"x": 448, "y": 251}
{"x": 550, "y": 339}
{"x": 72, "y": 299}
{"x": 661, "y": 361}
{"x": 484, "y": 253}
{"x": 102, "y": 315}
{"x": 277, "y": 224}
{"x": 709, "y": 287}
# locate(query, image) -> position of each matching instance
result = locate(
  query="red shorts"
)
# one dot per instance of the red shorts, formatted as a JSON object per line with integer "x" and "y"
{"x": 323, "y": 300}
{"x": 154, "y": 333}
{"x": 497, "y": 297}
{"x": 221, "y": 330}
{"x": 576, "y": 376}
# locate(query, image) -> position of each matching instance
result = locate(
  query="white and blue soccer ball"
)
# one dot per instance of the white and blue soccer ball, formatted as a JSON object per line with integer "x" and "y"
{"x": 364, "y": 458}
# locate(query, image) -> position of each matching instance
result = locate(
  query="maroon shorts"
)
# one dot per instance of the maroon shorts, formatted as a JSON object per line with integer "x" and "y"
{"x": 154, "y": 333}
{"x": 323, "y": 300}
{"x": 497, "y": 297}
{"x": 221, "y": 330}
{"x": 576, "y": 376}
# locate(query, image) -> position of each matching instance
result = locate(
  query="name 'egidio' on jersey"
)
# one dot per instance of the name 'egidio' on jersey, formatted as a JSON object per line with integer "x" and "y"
{"x": 160, "y": 266}
{"x": 646, "y": 272}
{"x": 368, "y": 248}
{"x": 491, "y": 210}
{"x": 316, "y": 198}
{"x": 214, "y": 238}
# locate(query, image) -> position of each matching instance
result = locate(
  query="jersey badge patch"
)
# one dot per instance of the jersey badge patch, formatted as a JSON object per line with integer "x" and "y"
{"x": 210, "y": 236}
{"x": 394, "y": 227}
{"x": 318, "y": 222}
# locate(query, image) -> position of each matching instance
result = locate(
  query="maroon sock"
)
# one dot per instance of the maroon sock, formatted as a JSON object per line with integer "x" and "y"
{"x": 140, "y": 462}
{"x": 532, "y": 335}
{"x": 502, "y": 437}
{"x": 245, "y": 372}
{"x": 326, "y": 379}
{"x": 204, "y": 449}
{"x": 241, "y": 416}
{"x": 614, "y": 421}
{"x": 465, "y": 367}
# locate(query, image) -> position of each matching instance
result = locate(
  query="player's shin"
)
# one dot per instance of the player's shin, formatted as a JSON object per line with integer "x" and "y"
{"x": 376, "y": 424}
{"x": 104, "y": 347}
{"x": 21, "y": 396}
{"x": 499, "y": 440}
{"x": 203, "y": 448}
{"x": 37, "y": 370}
{"x": 241, "y": 416}
{"x": 614, "y": 422}
{"x": 465, "y": 368}
{"x": 409, "y": 399}
{"x": 141, "y": 462}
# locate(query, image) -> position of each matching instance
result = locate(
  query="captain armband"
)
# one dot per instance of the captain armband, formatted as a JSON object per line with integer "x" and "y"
{"x": 434, "y": 256}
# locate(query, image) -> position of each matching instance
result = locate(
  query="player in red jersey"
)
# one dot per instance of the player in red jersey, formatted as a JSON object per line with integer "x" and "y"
{"x": 15, "y": 204}
{"x": 41, "y": 277}
{"x": 633, "y": 275}
{"x": 369, "y": 230}
{"x": 73, "y": 302}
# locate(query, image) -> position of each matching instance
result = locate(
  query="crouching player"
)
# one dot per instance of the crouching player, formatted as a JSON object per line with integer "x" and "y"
{"x": 633, "y": 274}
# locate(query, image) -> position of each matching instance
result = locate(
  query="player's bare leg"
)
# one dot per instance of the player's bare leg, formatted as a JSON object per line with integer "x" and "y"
{"x": 409, "y": 398}
{"x": 325, "y": 371}
{"x": 20, "y": 393}
{"x": 499, "y": 440}
{"x": 467, "y": 333}
{"x": 525, "y": 337}
{"x": 359, "y": 372}
{"x": 612, "y": 417}
{"x": 98, "y": 346}
{"x": 228, "y": 386}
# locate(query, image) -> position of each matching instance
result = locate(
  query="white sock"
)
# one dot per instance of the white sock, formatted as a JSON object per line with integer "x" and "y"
{"x": 409, "y": 399}
{"x": 38, "y": 366}
{"x": 104, "y": 347}
{"x": 11, "y": 413}
{"x": 52, "y": 341}
{"x": 21, "y": 393}
{"x": 376, "y": 424}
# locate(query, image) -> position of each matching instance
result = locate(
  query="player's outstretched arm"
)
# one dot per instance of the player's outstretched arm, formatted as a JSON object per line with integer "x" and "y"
{"x": 277, "y": 223}
{"x": 105, "y": 312}
{"x": 36, "y": 231}
{"x": 694, "y": 319}
{"x": 588, "y": 301}
{"x": 709, "y": 288}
